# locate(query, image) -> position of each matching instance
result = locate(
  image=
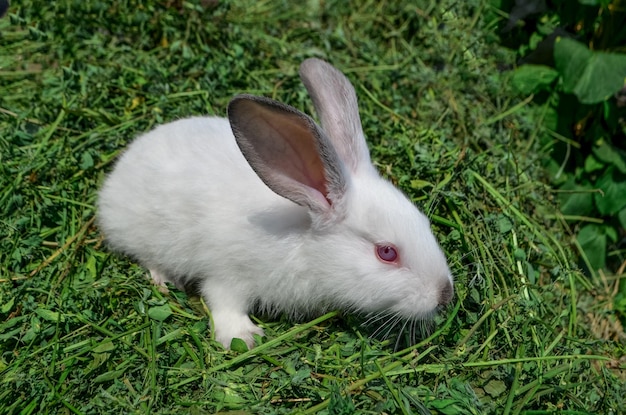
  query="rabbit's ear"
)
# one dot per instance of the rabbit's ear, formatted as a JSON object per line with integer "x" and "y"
{"x": 336, "y": 106}
{"x": 288, "y": 151}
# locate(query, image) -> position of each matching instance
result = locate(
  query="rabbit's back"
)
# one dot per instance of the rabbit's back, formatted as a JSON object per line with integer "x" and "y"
{"x": 182, "y": 192}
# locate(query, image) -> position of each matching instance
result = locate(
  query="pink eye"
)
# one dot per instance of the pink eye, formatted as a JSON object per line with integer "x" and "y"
{"x": 387, "y": 253}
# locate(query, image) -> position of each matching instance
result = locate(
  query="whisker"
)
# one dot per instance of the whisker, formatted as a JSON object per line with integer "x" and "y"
{"x": 375, "y": 317}
{"x": 386, "y": 326}
{"x": 432, "y": 204}
{"x": 392, "y": 320}
{"x": 396, "y": 347}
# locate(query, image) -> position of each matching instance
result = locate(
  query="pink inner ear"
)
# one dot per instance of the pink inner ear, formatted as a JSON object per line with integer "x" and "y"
{"x": 293, "y": 152}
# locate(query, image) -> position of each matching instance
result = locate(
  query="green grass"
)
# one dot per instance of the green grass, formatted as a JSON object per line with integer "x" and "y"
{"x": 82, "y": 331}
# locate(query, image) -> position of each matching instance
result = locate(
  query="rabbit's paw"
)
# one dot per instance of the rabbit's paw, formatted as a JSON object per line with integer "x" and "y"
{"x": 159, "y": 280}
{"x": 235, "y": 326}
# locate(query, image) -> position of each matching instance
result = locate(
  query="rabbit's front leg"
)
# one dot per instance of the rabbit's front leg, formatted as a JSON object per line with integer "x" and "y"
{"x": 229, "y": 309}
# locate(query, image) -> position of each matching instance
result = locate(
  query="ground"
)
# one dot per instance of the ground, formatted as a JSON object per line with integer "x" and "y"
{"x": 83, "y": 331}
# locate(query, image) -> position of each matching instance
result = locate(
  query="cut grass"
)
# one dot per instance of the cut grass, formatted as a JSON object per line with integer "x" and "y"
{"x": 82, "y": 331}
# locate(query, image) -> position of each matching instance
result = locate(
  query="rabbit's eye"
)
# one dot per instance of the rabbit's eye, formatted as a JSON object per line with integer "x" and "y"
{"x": 387, "y": 253}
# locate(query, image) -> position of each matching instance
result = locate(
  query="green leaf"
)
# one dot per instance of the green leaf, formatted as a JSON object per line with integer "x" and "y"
{"x": 86, "y": 161}
{"x": 300, "y": 376}
{"x": 420, "y": 184}
{"x": 10, "y": 334}
{"x": 611, "y": 233}
{"x": 551, "y": 118}
{"x": 228, "y": 396}
{"x": 577, "y": 199}
{"x": 593, "y": 164}
{"x": 495, "y": 388}
{"x": 91, "y": 268}
{"x": 13, "y": 322}
{"x": 611, "y": 111}
{"x": 6, "y": 307}
{"x": 591, "y": 76}
{"x": 519, "y": 254}
{"x": 238, "y": 345}
{"x": 603, "y": 3}
{"x": 530, "y": 79}
{"x": 108, "y": 376}
{"x": 621, "y": 217}
{"x": 592, "y": 240}
{"x": 613, "y": 196}
{"x": 609, "y": 154}
{"x": 104, "y": 347}
{"x": 504, "y": 224}
{"x": 446, "y": 406}
{"x": 160, "y": 312}
{"x": 33, "y": 330}
{"x": 48, "y": 315}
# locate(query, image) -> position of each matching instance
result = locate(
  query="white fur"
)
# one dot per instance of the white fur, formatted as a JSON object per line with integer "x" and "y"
{"x": 185, "y": 203}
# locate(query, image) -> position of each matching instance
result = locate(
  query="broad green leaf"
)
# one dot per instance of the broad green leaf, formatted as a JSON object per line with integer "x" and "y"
{"x": 420, "y": 184}
{"x": 86, "y": 161}
{"x": 105, "y": 346}
{"x": 611, "y": 233}
{"x": 160, "y": 313}
{"x": 576, "y": 199}
{"x": 227, "y": 395}
{"x": 613, "y": 196}
{"x": 35, "y": 327}
{"x": 446, "y": 406}
{"x": 495, "y": 388}
{"x": 91, "y": 268}
{"x": 593, "y": 164}
{"x": 108, "y": 376}
{"x": 550, "y": 118}
{"x": 48, "y": 315}
{"x": 610, "y": 113}
{"x": 464, "y": 394}
{"x": 620, "y": 299}
{"x": 10, "y": 334}
{"x": 519, "y": 254}
{"x": 592, "y": 240}
{"x": 6, "y": 307}
{"x": 603, "y": 3}
{"x": 607, "y": 153}
{"x": 621, "y": 216}
{"x": 504, "y": 224}
{"x": 12, "y": 322}
{"x": 591, "y": 76}
{"x": 238, "y": 345}
{"x": 300, "y": 376}
{"x": 530, "y": 79}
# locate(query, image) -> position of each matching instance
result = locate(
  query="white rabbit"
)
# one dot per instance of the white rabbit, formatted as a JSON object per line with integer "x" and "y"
{"x": 267, "y": 211}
